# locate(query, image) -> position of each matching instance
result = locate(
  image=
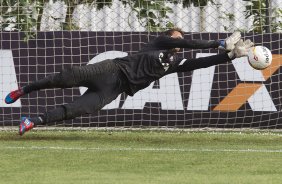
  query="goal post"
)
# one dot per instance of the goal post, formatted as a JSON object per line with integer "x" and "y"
{"x": 231, "y": 95}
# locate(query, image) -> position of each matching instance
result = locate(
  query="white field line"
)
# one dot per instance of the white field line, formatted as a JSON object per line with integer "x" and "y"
{"x": 140, "y": 149}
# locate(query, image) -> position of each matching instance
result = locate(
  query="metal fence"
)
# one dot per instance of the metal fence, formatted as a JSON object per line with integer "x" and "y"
{"x": 143, "y": 15}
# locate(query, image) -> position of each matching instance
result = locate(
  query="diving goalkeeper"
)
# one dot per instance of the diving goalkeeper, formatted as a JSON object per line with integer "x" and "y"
{"x": 109, "y": 78}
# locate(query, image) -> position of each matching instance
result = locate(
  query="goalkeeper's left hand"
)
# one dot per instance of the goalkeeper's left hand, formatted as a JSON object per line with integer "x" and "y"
{"x": 229, "y": 43}
{"x": 241, "y": 49}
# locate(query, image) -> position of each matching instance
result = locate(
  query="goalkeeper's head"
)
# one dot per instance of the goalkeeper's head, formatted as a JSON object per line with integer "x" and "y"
{"x": 175, "y": 33}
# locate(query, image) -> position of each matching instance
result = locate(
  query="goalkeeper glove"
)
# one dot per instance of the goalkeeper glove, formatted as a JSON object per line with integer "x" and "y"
{"x": 229, "y": 43}
{"x": 241, "y": 49}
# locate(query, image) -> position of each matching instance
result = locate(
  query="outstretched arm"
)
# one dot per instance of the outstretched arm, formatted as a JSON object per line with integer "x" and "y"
{"x": 241, "y": 49}
{"x": 203, "y": 62}
{"x": 165, "y": 42}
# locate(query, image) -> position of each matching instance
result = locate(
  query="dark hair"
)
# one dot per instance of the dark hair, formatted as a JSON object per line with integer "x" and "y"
{"x": 170, "y": 31}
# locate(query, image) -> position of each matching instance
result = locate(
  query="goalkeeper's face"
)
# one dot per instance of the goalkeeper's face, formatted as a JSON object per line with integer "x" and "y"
{"x": 177, "y": 35}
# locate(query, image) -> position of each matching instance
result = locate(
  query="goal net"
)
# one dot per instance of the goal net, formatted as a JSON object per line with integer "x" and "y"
{"x": 39, "y": 38}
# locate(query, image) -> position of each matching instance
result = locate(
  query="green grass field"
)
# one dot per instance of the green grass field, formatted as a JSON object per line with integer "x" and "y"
{"x": 140, "y": 157}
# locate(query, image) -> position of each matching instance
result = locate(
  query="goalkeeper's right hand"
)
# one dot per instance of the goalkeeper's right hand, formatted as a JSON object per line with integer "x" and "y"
{"x": 241, "y": 49}
{"x": 229, "y": 43}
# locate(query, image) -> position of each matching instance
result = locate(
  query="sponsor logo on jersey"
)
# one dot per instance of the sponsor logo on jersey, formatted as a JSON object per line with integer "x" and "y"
{"x": 163, "y": 62}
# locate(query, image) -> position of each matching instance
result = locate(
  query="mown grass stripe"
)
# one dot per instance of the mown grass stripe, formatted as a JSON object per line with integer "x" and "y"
{"x": 141, "y": 149}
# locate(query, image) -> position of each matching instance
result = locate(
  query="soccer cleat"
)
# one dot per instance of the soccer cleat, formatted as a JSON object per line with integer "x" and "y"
{"x": 14, "y": 96}
{"x": 25, "y": 125}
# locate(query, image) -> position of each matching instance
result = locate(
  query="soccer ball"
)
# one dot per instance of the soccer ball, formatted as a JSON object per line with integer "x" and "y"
{"x": 259, "y": 57}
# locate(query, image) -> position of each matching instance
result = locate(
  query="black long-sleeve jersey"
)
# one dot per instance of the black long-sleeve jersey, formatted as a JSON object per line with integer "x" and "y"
{"x": 158, "y": 59}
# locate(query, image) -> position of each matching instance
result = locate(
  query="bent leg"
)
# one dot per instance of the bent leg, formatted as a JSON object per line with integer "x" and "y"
{"x": 105, "y": 84}
{"x": 88, "y": 103}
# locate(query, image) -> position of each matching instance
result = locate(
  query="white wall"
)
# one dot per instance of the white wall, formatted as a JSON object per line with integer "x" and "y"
{"x": 212, "y": 18}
